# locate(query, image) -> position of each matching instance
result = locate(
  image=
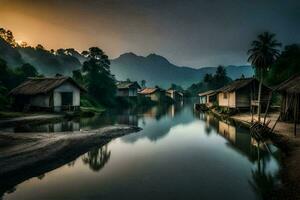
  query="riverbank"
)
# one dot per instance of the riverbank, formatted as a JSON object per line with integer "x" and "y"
{"x": 25, "y": 155}
{"x": 284, "y": 138}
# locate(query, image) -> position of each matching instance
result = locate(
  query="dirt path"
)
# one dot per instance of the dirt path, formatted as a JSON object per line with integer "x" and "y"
{"x": 26, "y": 155}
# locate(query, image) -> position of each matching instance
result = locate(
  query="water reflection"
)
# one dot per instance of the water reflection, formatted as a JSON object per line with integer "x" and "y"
{"x": 265, "y": 157}
{"x": 96, "y": 158}
{"x": 179, "y": 154}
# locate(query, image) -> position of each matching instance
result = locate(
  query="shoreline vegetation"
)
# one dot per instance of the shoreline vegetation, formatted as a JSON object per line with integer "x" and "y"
{"x": 289, "y": 144}
{"x": 25, "y": 155}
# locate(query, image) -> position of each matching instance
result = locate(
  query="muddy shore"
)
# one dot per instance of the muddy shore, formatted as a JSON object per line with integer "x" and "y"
{"x": 26, "y": 155}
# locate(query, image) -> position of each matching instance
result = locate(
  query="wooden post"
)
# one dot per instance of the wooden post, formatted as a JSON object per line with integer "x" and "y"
{"x": 267, "y": 109}
{"x": 252, "y": 110}
{"x": 296, "y": 113}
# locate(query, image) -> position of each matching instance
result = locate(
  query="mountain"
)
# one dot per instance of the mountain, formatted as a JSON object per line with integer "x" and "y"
{"x": 157, "y": 70}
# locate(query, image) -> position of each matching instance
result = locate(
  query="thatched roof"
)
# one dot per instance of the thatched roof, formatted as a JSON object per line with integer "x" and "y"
{"x": 209, "y": 92}
{"x": 149, "y": 90}
{"x": 127, "y": 85}
{"x": 292, "y": 85}
{"x": 239, "y": 84}
{"x": 34, "y": 86}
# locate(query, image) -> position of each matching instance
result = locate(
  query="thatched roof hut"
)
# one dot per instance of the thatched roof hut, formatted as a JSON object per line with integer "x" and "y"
{"x": 127, "y": 88}
{"x": 242, "y": 93}
{"x": 290, "y": 105}
{"x": 47, "y": 93}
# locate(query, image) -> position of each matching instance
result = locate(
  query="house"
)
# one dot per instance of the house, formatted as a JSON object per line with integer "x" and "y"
{"x": 208, "y": 98}
{"x": 242, "y": 94}
{"x": 127, "y": 89}
{"x": 155, "y": 94}
{"x": 290, "y": 105}
{"x": 52, "y": 93}
{"x": 175, "y": 95}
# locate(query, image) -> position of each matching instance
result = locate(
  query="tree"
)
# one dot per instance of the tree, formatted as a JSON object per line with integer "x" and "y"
{"x": 289, "y": 60}
{"x": 77, "y": 76}
{"x": 23, "y": 44}
{"x": 143, "y": 83}
{"x": 60, "y": 52}
{"x": 262, "y": 54}
{"x": 99, "y": 81}
{"x": 8, "y": 36}
{"x": 28, "y": 70}
{"x": 208, "y": 78}
{"x": 39, "y": 47}
{"x": 176, "y": 87}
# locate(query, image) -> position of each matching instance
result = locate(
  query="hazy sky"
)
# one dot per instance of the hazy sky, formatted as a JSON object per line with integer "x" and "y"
{"x": 187, "y": 32}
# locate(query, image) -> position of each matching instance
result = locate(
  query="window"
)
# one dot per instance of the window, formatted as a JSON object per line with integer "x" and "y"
{"x": 225, "y": 95}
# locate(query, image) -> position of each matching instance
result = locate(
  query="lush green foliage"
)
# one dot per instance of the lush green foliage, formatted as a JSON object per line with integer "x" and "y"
{"x": 10, "y": 78}
{"x": 176, "y": 87}
{"x": 264, "y": 51}
{"x": 287, "y": 65}
{"x": 210, "y": 82}
{"x": 95, "y": 75}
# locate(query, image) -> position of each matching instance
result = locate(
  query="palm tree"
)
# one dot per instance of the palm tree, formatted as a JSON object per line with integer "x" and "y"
{"x": 263, "y": 53}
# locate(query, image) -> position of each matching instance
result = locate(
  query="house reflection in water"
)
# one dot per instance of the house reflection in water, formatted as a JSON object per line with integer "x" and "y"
{"x": 62, "y": 126}
{"x": 227, "y": 131}
{"x": 174, "y": 109}
{"x": 238, "y": 137}
{"x": 127, "y": 119}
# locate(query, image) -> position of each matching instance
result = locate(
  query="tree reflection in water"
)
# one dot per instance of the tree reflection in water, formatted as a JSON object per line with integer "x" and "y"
{"x": 263, "y": 181}
{"x": 97, "y": 158}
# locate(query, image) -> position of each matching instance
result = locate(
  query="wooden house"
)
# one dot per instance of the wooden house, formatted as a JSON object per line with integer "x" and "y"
{"x": 52, "y": 93}
{"x": 127, "y": 89}
{"x": 242, "y": 94}
{"x": 175, "y": 95}
{"x": 155, "y": 94}
{"x": 208, "y": 98}
{"x": 290, "y": 105}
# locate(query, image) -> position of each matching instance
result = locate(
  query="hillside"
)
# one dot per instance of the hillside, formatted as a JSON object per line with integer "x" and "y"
{"x": 44, "y": 61}
{"x": 157, "y": 70}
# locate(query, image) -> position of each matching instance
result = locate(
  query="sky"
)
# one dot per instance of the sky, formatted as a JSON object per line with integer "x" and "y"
{"x": 194, "y": 33}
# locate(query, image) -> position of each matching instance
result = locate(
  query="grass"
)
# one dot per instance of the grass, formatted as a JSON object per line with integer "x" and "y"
{"x": 90, "y": 107}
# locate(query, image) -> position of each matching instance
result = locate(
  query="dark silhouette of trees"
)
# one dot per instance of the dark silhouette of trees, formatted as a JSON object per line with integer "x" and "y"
{"x": 210, "y": 82}
{"x": 263, "y": 53}
{"x": 97, "y": 158}
{"x": 176, "y": 87}
{"x": 8, "y": 36}
{"x": 143, "y": 83}
{"x": 289, "y": 60}
{"x": 96, "y": 76}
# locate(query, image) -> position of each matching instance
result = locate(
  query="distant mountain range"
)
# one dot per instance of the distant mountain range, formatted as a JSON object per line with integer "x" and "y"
{"x": 157, "y": 70}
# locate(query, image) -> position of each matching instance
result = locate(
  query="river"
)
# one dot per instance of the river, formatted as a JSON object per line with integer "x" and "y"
{"x": 179, "y": 154}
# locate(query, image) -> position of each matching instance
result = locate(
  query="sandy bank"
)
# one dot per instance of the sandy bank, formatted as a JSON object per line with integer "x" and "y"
{"x": 26, "y": 155}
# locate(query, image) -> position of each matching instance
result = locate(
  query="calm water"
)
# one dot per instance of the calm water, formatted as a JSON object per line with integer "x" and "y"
{"x": 179, "y": 154}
